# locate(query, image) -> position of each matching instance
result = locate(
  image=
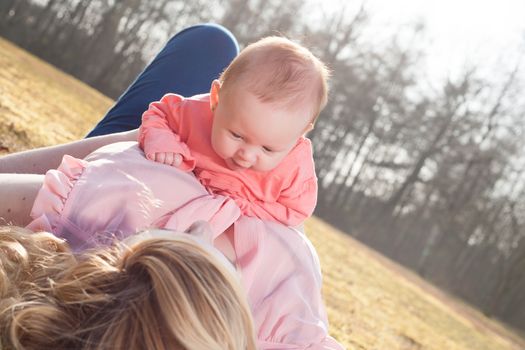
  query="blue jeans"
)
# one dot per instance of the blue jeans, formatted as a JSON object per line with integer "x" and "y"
{"x": 186, "y": 65}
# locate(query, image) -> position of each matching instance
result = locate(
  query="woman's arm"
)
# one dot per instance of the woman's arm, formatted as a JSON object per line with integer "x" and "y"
{"x": 18, "y": 192}
{"x": 281, "y": 272}
{"x": 40, "y": 160}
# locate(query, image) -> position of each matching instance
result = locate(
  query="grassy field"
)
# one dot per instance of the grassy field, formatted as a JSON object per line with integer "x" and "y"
{"x": 372, "y": 303}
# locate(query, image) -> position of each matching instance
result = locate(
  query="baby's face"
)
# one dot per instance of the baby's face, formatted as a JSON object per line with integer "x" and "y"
{"x": 249, "y": 134}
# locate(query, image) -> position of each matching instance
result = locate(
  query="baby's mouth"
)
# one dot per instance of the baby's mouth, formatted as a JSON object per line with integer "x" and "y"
{"x": 235, "y": 165}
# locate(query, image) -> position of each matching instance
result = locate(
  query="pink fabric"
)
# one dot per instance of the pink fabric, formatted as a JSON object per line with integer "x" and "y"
{"x": 286, "y": 194}
{"x": 117, "y": 190}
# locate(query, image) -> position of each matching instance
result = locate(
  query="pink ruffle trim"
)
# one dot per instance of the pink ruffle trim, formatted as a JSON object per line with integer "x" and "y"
{"x": 51, "y": 198}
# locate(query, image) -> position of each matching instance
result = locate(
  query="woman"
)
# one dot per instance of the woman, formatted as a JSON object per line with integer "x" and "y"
{"x": 279, "y": 268}
{"x": 154, "y": 291}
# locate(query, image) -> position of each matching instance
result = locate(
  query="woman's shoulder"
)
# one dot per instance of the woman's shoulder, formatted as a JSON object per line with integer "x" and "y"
{"x": 285, "y": 248}
{"x": 279, "y": 264}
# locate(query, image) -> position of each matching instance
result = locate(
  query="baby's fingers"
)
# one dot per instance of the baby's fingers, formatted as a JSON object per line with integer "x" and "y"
{"x": 160, "y": 157}
{"x": 177, "y": 160}
{"x": 173, "y": 159}
{"x": 168, "y": 159}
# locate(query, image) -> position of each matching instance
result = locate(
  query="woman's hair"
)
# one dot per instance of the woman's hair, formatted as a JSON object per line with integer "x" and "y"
{"x": 155, "y": 294}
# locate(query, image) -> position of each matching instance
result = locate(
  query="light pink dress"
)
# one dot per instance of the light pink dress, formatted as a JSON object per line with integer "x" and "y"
{"x": 117, "y": 190}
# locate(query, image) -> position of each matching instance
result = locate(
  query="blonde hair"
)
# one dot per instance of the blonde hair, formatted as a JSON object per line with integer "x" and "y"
{"x": 276, "y": 69}
{"x": 156, "y": 294}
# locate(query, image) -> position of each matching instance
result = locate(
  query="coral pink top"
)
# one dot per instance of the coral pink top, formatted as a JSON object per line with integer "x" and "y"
{"x": 117, "y": 190}
{"x": 286, "y": 194}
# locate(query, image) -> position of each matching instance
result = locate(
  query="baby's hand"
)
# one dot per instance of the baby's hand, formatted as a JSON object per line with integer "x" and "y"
{"x": 168, "y": 158}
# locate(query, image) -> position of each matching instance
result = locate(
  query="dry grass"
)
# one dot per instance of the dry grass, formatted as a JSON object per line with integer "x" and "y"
{"x": 372, "y": 303}
{"x": 40, "y": 106}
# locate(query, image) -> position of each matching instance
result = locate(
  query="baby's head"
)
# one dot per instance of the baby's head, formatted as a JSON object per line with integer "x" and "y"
{"x": 266, "y": 99}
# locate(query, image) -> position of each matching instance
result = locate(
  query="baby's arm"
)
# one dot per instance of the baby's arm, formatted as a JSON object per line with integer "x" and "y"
{"x": 295, "y": 203}
{"x": 290, "y": 209}
{"x": 159, "y": 134}
{"x": 40, "y": 160}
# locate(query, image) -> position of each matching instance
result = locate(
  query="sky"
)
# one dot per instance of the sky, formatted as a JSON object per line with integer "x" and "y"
{"x": 458, "y": 32}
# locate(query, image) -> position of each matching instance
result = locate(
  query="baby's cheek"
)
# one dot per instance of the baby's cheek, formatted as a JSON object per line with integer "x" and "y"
{"x": 222, "y": 147}
{"x": 216, "y": 145}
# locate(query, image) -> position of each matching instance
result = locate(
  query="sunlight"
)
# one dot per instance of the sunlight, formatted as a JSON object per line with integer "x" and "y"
{"x": 458, "y": 33}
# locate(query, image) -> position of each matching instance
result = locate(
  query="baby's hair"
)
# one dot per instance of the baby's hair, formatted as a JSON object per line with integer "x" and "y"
{"x": 155, "y": 294}
{"x": 276, "y": 69}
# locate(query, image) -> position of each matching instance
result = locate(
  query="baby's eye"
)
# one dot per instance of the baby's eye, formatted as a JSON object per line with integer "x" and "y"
{"x": 235, "y": 135}
{"x": 266, "y": 149}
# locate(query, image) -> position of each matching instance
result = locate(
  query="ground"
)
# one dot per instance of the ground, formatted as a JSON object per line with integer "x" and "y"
{"x": 372, "y": 303}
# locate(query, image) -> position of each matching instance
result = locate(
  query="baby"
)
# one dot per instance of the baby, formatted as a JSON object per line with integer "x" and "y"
{"x": 246, "y": 138}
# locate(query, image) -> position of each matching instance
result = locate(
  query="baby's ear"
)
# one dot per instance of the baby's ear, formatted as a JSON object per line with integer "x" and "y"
{"x": 214, "y": 94}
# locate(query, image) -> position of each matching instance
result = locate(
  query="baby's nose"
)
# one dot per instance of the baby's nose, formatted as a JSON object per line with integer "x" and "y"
{"x": 248, "y": 154}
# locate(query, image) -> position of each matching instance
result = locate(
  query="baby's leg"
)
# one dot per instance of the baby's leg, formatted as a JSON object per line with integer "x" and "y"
{"x": 17, "y": 195}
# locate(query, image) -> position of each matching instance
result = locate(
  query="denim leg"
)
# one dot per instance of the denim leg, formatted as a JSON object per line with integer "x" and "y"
{"x": 186, "y": 65}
